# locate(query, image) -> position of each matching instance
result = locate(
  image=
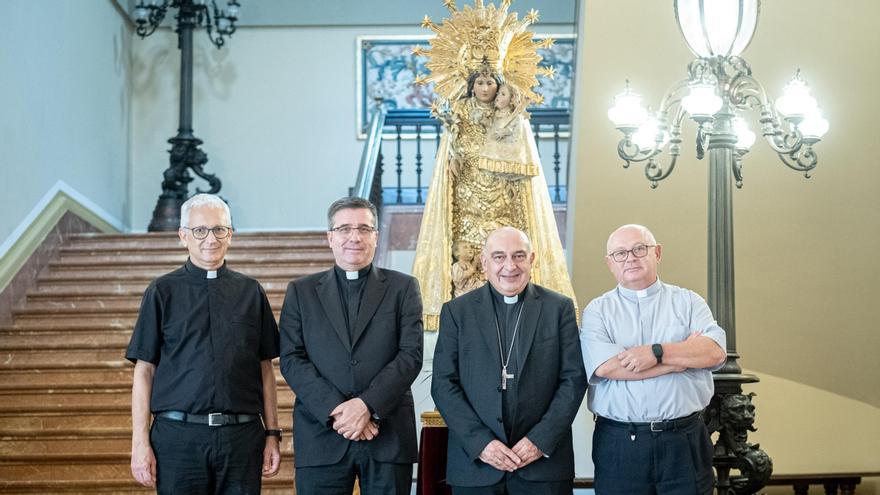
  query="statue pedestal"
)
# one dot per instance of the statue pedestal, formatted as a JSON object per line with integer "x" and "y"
{"x": 431, "y": 477}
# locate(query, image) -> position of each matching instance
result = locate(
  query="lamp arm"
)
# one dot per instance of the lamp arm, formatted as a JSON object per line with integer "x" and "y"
{"x": 746, "y": 93}
{"x": 629, "y": 152}
{"x": 782, "y": 143}
{"x": 803, "y": 160}
{"x": 157, "y": 15}
{"x": 654, "y": 170}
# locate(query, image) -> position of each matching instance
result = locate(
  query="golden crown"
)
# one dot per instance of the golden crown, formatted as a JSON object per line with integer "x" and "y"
{"x": 483, "y": 39}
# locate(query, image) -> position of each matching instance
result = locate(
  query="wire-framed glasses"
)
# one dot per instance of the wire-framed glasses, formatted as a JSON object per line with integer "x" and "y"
{"x": 638, "y": 251}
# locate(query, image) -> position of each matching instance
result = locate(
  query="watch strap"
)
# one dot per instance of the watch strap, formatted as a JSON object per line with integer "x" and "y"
{"x": 657, "y": 349}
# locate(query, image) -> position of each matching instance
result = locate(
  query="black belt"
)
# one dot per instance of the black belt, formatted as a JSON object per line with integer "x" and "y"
{"x": 212, "y": 419}
{"x": 654, "y": 426}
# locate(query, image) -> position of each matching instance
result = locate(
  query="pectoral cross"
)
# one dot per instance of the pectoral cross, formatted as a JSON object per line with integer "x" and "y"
{"x": 504, "y": 376}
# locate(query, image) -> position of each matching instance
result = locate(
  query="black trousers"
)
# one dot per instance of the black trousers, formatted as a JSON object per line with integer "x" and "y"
{"x": 193, "y": 459}
{"x": 630, "y": 462}
{"x": 374, "y": 477}
{"x": 513, "y": 484}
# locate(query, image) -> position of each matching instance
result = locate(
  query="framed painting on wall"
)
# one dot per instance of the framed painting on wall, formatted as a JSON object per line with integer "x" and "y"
{"x": 386, "y": 69}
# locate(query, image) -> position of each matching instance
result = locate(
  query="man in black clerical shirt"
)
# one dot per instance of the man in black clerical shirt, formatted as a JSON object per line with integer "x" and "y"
{"x": 351, "y": 346}
{"x": 203, "y": 347}
{"x": 508, "y": 378}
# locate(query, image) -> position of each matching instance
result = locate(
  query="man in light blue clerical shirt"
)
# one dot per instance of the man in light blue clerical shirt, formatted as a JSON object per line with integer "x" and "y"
{"x": 649, "y": 351}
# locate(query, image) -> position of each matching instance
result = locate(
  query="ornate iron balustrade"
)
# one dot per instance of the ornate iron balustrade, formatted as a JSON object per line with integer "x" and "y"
{"x": 398, "y": 157}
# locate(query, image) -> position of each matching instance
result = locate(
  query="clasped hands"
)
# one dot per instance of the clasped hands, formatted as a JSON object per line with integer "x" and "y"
{"x": 502, "y": 458}
{"x": 641, "y": 358}
{"x": 351, "y": 419}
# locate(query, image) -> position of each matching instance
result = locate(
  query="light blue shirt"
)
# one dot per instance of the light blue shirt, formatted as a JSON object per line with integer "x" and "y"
{"x": 621, "y": 319}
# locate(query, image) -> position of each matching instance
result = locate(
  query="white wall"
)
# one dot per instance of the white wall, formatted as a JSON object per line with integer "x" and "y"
{"x": 64, "y": 104}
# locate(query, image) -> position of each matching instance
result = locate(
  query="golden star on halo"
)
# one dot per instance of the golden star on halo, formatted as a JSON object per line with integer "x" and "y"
{"x": 550, "y": 72}
{"x": 427, "y": 23}
{"x": 532, "y": 16}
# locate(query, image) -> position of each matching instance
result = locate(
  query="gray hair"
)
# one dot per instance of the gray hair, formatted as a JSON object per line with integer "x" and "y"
{"x": 649, "y": 237}
{"x": 204, "y": 200}
{"x": 351, "y": 203}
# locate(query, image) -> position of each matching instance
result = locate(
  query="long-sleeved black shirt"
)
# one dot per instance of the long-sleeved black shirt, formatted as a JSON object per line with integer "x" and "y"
{"x": 207, "y": 337}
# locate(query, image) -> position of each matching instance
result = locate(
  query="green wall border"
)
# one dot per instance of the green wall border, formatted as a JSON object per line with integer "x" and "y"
{"x": 34, "y": 233}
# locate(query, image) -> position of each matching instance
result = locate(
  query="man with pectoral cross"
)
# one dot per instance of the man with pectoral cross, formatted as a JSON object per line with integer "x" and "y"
{"x": 508, "y": 378}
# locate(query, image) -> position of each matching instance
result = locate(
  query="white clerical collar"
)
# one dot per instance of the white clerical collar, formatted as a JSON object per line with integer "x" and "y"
{"x": 352, "y": 275}
{"x": 511, "y": 299}
{"x": 211, "y": 274}
{"x": 640, "y": 293}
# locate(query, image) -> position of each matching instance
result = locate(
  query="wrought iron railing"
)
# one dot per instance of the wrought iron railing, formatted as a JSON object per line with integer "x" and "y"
{"x": 398, "y": 157}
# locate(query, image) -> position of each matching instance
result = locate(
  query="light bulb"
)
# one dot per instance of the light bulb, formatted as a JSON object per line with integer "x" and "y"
{"x": 796, "y": 101}
{"x": 646, "y": 137}
{"x": 814, "y": 126}
{"x": 702, "y": 102}
{"x": 627, "y": 112}
{"x": 745, "y": 138}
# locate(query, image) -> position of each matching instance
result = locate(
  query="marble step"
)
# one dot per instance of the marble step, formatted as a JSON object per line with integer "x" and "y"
{"x": 121, "y": 288}
{"x": 129, "y": 305}
{"x": 91, "y": 422}
{"x": 263, "y": 273}
{"x": 14, "y": 381}
{"x": 173, "y": 246}
{"x": 70, "y": 323}
{"x": 111, "y": 399}
{"x": 115, "y": 339}
{"x": 71, "y": 475}
{"x": 42, "y": 380}
{"x": 235, "y": 259}
{"x": 68, "y": 360}
{"x": 172, "y": 236}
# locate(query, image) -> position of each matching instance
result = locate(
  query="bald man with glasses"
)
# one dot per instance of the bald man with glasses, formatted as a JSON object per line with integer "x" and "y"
{"x": 649, "y": 351}
{"x": 203, "y": 347}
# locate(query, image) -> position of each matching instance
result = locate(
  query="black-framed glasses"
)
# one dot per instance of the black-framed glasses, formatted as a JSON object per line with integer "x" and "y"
{"x": 348, "y": 229}
{"x": 638, "y": 251}
{"x": 200, "y": 232}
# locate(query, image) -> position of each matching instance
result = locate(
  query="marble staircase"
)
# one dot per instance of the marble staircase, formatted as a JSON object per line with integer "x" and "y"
{"x": 65, "y": 387}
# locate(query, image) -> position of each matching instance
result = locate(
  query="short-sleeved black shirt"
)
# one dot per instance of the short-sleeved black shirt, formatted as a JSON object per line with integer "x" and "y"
{"x": 206, "y": 338}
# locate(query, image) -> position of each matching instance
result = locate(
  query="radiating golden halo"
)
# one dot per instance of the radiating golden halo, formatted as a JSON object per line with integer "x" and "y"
{"x": 483, "y": 38}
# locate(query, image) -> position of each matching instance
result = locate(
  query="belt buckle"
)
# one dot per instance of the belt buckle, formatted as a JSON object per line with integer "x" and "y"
{"x": 211, "y": 417}
{"x": 659, "y": 429}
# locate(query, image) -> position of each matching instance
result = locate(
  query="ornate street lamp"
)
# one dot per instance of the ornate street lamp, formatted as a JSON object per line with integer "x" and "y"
{"x": 717, "y": 93}
{"x": 185, "y": 152}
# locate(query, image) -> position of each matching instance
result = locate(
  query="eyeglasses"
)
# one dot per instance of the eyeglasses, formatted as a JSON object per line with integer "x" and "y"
{"x": 360, "y": 229}
{"x": 638, "y": 251}
{"x": 220, "y": 232}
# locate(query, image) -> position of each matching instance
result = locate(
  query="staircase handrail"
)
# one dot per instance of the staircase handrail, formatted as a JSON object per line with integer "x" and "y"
{"x": 367, "y": 170}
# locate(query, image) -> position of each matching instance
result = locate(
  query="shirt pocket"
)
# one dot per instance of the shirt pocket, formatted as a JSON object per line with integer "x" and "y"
{"x": 245, "y": 332}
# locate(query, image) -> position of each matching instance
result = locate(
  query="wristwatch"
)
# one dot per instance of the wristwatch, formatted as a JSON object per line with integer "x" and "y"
{"x": 274, "y": 433}
{"x": 657, "y": 349}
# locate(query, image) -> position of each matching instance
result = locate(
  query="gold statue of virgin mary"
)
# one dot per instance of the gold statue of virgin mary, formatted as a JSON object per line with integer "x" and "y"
{"x": 487, "y": 172}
